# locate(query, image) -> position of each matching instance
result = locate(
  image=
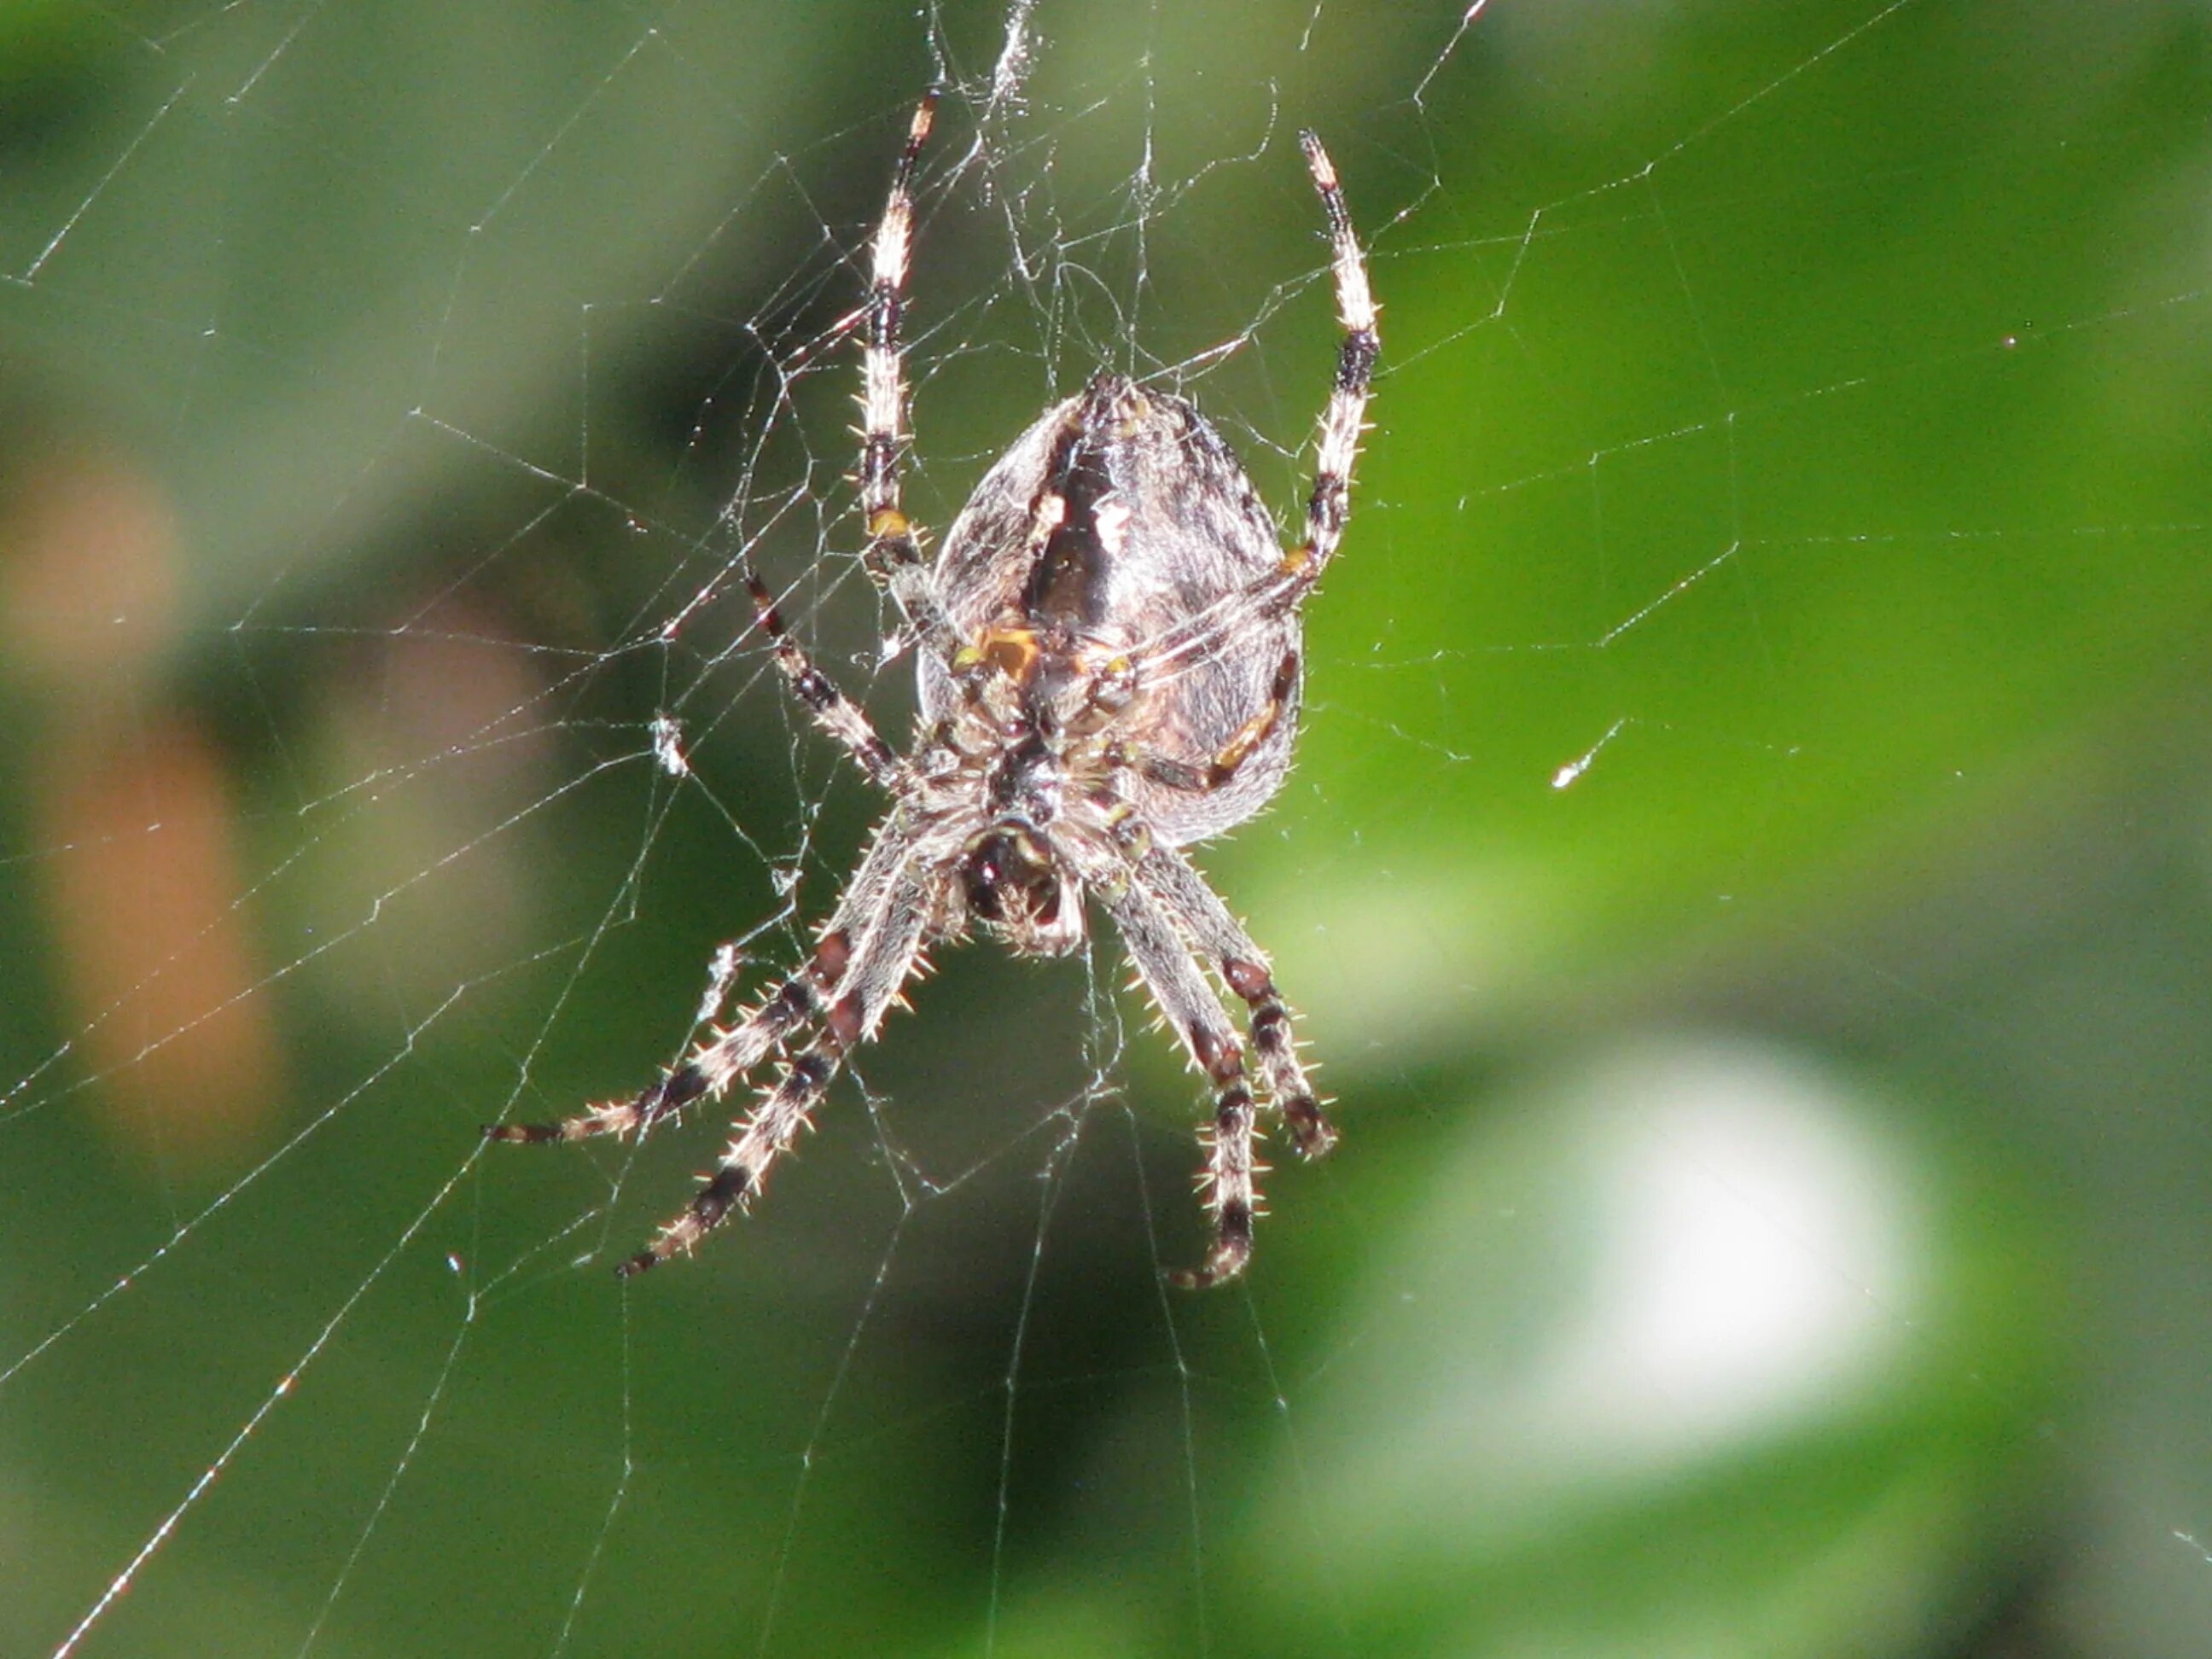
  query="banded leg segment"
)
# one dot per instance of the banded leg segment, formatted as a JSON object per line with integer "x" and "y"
{"x": 733, "y": 1051}
{"x": 880, "y": 967}
{"x": 894, "y": 550}
{"x": 1337, "y": 445}
{"x": 833, "y": 711}
{"x": 675, "y": 1089}
{"x": 1197, "y": 910}
{"x": 1229, "y": 1181}
{"x": 713, "y": 1064}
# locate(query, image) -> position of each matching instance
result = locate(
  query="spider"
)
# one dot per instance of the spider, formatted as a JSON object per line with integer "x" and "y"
{"x": 1109, "y": 671}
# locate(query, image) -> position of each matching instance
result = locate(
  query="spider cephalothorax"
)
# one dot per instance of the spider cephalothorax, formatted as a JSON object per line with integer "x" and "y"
{"x": 1109, "y": 671}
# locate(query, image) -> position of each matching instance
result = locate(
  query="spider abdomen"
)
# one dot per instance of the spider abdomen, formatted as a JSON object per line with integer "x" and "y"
{"x": 1120, "y": 514}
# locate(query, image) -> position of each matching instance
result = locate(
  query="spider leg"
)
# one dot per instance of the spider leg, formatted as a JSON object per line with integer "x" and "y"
{"x": 881, "y": 963}
{"x": 1338, "y": 443}
{"x": 1196, "y": 780}
{"x": 833, "y": 711}
{"x": 675, "y": 1089}
{"x": 1197, "y": 910}
{"x": 894, "y": 550}
{"x": 1336, "y": 447}
{"x": 730, "y": 1052}
{"x": 1164, "y": 962}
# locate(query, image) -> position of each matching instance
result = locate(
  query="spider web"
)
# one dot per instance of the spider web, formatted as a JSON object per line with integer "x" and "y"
{"x": 1745, "y": 872}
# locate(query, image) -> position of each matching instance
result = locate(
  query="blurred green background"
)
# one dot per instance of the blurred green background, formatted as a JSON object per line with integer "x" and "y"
{"x": 1745, "y": 875}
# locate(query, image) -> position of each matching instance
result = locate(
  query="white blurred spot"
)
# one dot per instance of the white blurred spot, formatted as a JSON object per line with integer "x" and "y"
{"x": 1753, "y": 1250}
{"x": 1686, "y": 1248}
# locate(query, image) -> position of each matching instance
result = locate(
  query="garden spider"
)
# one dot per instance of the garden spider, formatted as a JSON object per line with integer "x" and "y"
{"x": 1109, "y": 672}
